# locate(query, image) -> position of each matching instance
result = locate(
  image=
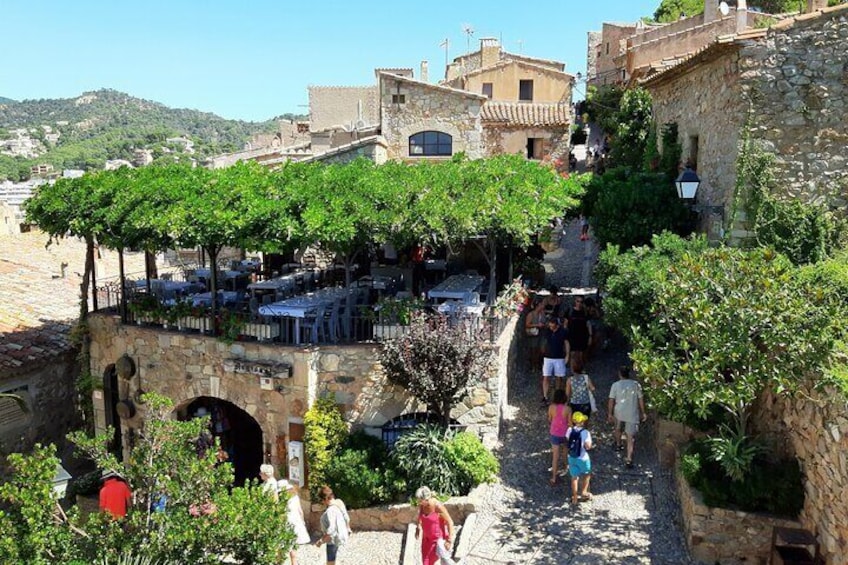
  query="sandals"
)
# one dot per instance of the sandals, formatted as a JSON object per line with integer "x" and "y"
{"x": 574, "y": 500}
{"x": 553, "y": 482}
{"x": 587, "y": 496}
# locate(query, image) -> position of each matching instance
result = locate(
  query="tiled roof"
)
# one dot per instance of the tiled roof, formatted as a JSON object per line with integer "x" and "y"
{"x": 517, "y": 61}
{"x": 526, "y": 114}
{"x": 38, "y": 306}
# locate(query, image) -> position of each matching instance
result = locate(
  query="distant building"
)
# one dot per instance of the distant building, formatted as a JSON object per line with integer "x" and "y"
{"x": 142, "y": 157}
{"x": 117, "y": 164}
{"x": 12, "y": 197}
{"x": 41, "y": 169}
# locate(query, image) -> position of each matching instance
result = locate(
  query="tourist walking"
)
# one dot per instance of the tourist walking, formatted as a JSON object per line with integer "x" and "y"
{"x": 579, "y": 464}
{"x": 552, "y": 302}
{"x": 579, "y": 330}
{"x": 115, "y": 495}
{"x": 435, "y": 529}
{"x": 626, "y": 409}
{"x": 335, "y": 523}
{"x": 584, "y": 228}
{"x": 269, "y": 483}
{"x": 556, "y": 352}
{"x": 559, "y": 416}
{"x": 295, "y": 517}
{"x": 534, "y": 329}
{"x": 580, "y": 390}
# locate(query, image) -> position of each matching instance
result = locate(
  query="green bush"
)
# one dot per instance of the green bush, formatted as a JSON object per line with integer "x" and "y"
{"x": 362, "y": 474}
{"x": 775, "y": 487}
{"x": 475, "y": 463}
{"x": 627, "y": 208}
{"x": 421, "y": 454}
{"x": 325, "y": 434}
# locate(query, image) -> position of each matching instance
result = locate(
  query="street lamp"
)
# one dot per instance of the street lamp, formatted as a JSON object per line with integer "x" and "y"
{"x": 687, "y": 183}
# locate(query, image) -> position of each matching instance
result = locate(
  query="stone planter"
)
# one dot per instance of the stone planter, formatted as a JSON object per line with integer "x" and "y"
{"x": 261, "y": 332}
{"x": 389, "y": 331}
{"x": 721, "y": 535}
{"x": 194, "y": 323}
{"x": 396, "y": 517}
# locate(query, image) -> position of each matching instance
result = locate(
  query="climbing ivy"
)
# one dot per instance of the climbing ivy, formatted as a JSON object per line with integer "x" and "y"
{"x": 805, "y": 233}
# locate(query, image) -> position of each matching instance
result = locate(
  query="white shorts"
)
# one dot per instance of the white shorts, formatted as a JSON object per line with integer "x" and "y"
{"x": 554, "y": 368}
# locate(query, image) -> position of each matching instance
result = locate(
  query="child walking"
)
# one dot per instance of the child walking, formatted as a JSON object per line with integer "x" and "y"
{"x": 579, "y": 464}
{"x": 559, "y": 415}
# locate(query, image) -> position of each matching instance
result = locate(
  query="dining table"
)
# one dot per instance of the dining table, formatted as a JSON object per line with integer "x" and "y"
{"x": 457, "y": 287}
{"x": 299, "y": 307}
{"x": 225, "y": 298}
{"x": 458, "y": 308}
{"x": 277, "y": 284}
{"x": 230, "y": 276}
{"x": 169, "y": 290}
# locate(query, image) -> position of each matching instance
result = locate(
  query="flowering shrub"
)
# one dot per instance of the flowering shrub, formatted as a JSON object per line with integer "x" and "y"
{"x": 511, "y": 300}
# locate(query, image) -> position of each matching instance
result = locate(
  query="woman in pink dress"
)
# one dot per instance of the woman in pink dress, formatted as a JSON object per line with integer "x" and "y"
{"x": 435, "y": 529}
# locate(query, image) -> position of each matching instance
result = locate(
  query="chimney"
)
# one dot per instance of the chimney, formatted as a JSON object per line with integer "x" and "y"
{"x": 425, "y": 75}
{"x": 711, "y": 12}
{"x": 490, "y": 51}
{"x": 741, "y": 15}
{"x": 815, "y": 6}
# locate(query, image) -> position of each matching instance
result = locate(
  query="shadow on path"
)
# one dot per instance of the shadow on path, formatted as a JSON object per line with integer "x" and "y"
{"x": 633, "y": 517}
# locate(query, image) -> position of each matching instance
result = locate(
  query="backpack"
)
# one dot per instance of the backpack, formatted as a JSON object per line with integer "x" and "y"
{"x": 575, "y": 442}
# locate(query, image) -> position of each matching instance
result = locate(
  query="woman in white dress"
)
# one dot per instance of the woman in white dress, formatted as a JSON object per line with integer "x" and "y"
{"x": 294, "y": 514}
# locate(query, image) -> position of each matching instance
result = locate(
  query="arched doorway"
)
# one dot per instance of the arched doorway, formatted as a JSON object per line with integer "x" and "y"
{"x": 239, "y": 434}
{"x": 111, "y": 396}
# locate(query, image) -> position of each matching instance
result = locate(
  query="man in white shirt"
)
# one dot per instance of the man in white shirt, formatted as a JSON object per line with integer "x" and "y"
{"x": 627, "y": 408}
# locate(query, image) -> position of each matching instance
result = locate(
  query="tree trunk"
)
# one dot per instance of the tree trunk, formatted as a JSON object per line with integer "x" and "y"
{"x": 213, "y": 283}
{"x": 493, "y": 264}
{"x": 87, "y": 277}
{"x": 122, "y": 306}
{"x": 445, "y": 413}
{"x": 90, "y": 259}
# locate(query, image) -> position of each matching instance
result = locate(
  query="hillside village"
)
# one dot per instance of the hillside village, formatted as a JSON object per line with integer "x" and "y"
{"x": 239, "y": 340}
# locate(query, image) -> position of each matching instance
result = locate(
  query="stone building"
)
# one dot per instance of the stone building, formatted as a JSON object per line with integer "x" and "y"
{"x": 625, "y": 52}
{"x": 789, "y": 80}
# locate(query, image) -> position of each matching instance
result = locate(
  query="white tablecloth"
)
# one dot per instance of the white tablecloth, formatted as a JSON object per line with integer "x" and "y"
{"x": 457, "y": 308}
{"x": 457, "y": 287}
{"x": 205, "y": 298}
{"x": 279, "y": 283}
{"x": 228, "y": 275}
{"x": 300, "y": 306}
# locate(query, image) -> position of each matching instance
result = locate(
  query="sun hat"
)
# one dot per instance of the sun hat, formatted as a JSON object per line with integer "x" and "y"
{"x": 579, "y": 417}
{"x": 267, "y": 469}
{"x": 284, "y": 484}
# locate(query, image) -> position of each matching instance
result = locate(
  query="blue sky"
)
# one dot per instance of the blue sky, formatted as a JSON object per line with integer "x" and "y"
{"x": 254, "y": 59}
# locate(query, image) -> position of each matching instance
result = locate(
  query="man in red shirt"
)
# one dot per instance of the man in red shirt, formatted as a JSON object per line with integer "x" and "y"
{"x": 115, "y": 495}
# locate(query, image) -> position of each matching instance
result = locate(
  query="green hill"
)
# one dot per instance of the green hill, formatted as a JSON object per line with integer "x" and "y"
{"x": 106, "y": 124}
{"x": 6, "y": 100}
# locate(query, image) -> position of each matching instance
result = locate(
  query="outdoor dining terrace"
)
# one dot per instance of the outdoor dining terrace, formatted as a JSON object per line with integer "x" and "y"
{"x": 300, "y": 305}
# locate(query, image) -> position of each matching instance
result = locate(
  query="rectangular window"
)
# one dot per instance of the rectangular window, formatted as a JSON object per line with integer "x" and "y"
{"x": 692, "y": 162}
{"x": 487, "y": 89}
{"x": 607, "y": 48}
{"x": 398, "y": 98}
{"x": 525, "y": 90}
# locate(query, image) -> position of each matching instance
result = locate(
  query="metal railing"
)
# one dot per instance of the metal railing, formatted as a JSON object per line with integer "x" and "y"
{"x": 238, "y": 323}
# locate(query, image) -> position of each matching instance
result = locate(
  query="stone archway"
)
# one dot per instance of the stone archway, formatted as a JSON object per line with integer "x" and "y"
{"x": 239, "y": 433}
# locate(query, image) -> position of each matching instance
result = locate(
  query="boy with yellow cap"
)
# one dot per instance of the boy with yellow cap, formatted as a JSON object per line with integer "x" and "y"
{"x": 579, "y": 464}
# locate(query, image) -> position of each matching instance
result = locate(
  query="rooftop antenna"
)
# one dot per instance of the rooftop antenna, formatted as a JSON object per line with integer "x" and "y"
{"x": 468, "y": 31}
{"x": 520, "y": 46}
{"x": 446, "y": 45}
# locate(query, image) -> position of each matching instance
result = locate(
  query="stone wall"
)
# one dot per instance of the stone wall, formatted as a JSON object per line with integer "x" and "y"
{"x": 706, "y": 104}
{"x": 608, "y": 49}
{"x": 352, "y": 374}
{"x": 335, "y": 106}
{"x": 799, "y": 85}
{"x": 429, "y": 108}
{"x": 513, "y": 139}
{"x": 49, "y": 391}
{"x": 718, "y": 535}
{"x": 186, "y": 366}
{"x": 813, "y": 427}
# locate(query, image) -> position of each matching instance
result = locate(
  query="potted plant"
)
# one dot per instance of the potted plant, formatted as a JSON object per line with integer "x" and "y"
{"x": 195, "y": 318}
{"x": 391, "y": 315}
{"x": 230, "y": 326}
{"x": 146, "y": 309}
{"x": 176, "y": 313}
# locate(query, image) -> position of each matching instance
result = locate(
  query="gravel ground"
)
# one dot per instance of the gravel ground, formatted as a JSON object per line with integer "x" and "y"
{"x": 633, "y": 517}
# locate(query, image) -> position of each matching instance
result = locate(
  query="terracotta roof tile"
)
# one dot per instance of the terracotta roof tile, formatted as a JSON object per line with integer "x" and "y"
{"x": 526, "y": 114}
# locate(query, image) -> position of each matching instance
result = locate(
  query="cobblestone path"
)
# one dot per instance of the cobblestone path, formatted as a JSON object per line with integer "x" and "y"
{"x": 633, "y": 517}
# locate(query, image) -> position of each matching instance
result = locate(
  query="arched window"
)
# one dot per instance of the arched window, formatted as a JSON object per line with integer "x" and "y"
{"x": 430, "y": 143}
